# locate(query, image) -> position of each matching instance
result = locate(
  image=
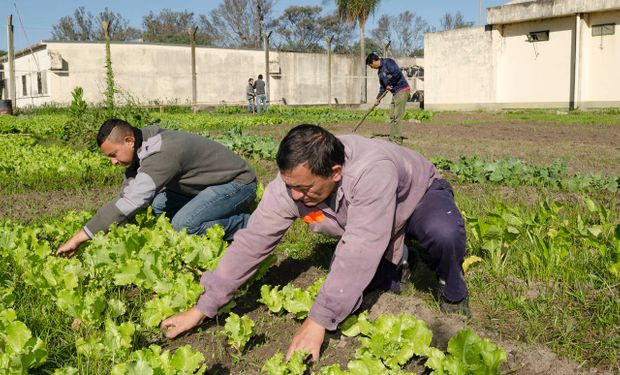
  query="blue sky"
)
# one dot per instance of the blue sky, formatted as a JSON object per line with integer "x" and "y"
{"x": 38, "y": 16}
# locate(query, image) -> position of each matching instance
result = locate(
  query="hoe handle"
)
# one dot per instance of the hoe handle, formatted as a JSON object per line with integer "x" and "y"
{"x": 370, "y": 110}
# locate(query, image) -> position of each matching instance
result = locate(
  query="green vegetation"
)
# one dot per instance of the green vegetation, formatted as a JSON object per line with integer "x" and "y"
{"x": 610, "y": 116}
{"x": 26, "y": 165}
{"x": 549, "y": 272}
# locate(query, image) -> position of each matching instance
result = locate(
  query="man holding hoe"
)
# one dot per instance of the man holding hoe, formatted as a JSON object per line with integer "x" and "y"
{"x": 370, "y": 194}
{"x": 391, "y": 79}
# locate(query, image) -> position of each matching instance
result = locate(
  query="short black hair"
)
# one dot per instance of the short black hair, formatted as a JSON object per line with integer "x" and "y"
{"x": 372, "y": 57}
{"x": 109, "y": 125}
{"x": 260, "y": 76}
{"x": 251, "y": 79}
{"x": 310, "y": 144}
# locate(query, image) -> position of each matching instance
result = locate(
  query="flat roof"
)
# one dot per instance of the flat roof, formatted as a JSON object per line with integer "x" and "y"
{"x": 522, "y": 11}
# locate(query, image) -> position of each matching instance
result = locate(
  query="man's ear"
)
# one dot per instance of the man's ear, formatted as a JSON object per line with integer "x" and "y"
{"x": 130, "y": 139}
{"x": 337, "y": 173}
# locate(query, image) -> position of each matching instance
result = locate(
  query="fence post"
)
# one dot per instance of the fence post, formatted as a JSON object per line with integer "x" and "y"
{"x": 329, "y": 69}
{"x": 192, "y": 36}
{"x": 11, "y": 76}
{"x": 267, "y": 83}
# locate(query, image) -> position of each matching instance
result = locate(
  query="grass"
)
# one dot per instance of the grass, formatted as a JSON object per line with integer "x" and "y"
{"x": 609, "y": 116}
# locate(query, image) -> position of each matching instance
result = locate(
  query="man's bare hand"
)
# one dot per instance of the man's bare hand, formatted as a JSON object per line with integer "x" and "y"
{"x": 309, "y": 338}
{"x": 69, "y": 248}
{"x": 389, "y": 87}
{"x": 181, "y": 322}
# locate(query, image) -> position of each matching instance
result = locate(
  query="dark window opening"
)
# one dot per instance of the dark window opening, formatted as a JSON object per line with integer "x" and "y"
{"x": 604, "y": 29}
{"x": 538, "y": 36}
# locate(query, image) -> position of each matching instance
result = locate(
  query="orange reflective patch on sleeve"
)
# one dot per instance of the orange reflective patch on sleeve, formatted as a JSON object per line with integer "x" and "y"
{"x": 314, "y": 217}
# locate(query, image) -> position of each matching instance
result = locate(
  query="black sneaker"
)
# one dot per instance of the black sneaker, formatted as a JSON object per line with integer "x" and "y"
{"x": 460, "y": 307}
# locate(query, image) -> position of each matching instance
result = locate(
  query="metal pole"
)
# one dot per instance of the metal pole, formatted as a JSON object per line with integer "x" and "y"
{"x": 329, "y": 70}
{"x": 480, "y": 23}
{"x": 192, "y": 36}
{"x": 12, "y": 90}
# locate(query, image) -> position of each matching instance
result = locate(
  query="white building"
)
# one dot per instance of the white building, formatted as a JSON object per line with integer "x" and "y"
{"x": 545, "y": 53}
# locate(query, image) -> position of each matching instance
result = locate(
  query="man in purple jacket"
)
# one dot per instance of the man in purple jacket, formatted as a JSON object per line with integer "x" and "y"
{"x": 370, "y": 194}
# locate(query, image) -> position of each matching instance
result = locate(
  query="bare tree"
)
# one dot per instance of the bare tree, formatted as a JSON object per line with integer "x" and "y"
{"x": 450, "y": 22}
{"x": 405, "y": 31}
{"x": 409, "y": 30}
{"x": 383, "y": 31}
{"x": 238, "y": 23}
{"x": 84, "y": 26}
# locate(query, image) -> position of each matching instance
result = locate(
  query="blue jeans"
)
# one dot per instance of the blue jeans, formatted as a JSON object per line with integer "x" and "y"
{"x": 251, "y": 104}
{"x": 261, "y": 100}
{"x": 219, "y": 204}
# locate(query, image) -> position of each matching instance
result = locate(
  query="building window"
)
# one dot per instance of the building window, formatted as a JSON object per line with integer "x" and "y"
{"x": 604, "y": 29}
{"x": 538, "y": 36}
{"x": 24, "y": 87}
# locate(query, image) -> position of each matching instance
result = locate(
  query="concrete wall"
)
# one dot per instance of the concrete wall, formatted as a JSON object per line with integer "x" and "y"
{"x": 600, "y": 57}
{"x": 534, "y": 74}
{"x": 161, "y": 74}
{"x": 459, "y": 70}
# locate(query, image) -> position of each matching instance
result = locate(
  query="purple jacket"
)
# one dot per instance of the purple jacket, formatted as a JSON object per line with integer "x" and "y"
{"x": 381, "y": 185}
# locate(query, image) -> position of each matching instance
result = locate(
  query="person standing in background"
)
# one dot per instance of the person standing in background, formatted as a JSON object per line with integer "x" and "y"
{"x": 261, "y": 97}
{"x": 250, "y": 95}
{"x": 393, "y": 80}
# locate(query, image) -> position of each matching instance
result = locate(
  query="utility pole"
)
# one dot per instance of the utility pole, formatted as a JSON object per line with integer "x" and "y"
{"x": 329, "y": 69}
{"x": 192, "y": 36}
{"x": 12, "y": 91}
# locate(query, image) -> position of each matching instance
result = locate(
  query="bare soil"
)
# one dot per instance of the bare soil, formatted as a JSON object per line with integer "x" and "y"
{"x": 586, "y": 149}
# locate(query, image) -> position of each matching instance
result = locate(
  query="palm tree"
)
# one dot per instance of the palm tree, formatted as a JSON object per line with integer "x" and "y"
{"x": 353, "y": 11}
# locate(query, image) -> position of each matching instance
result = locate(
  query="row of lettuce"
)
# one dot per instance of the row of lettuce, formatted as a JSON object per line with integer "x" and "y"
{"x": 121, "y": 286}
{"x": 117, "y": 291}
{"x": 28, "y": 165}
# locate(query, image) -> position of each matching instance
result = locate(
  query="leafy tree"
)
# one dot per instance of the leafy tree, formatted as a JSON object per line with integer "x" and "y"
{"x": 83, "y": 26}
{"x": 169, "y": 26}
{"x": 238, "y": 23}
{"x": 357, "y": 11}
{"x": 299, "y": 27}
{"x": 450, "y": 22}
{"x": 76, "y": 27}
{"x": 3, "y": 52}
{"x": 340, "y": 32}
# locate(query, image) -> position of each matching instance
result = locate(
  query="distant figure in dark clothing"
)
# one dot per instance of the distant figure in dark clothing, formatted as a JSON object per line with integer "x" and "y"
{"x": 261, "y": 97}
{"x": 393, "y": 80}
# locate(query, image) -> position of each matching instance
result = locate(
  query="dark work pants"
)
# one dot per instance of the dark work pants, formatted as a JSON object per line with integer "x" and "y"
{"x": 439, "y": 228}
